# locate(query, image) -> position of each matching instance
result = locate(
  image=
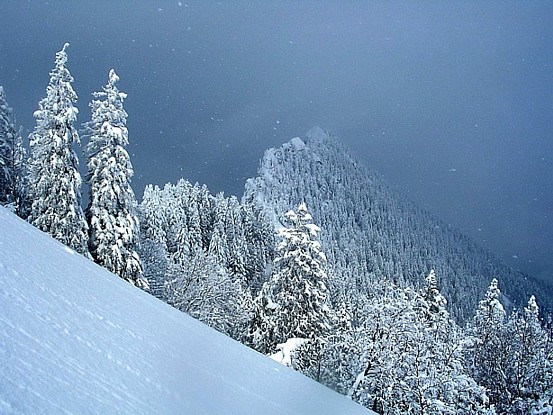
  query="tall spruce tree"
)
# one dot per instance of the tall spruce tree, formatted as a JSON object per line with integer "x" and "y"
{"x": 488, "y": 355}
{"x": 112, "y": 213}
{"x": 12, "y": 156}
{"x": 294, "y": 302}
{"x": 54, "y": 179}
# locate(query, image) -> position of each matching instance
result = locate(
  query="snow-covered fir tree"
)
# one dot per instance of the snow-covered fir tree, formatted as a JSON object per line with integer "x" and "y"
{"x": 488, "y": 355}
{"x": 293, "y": 303}
{"x": 237, "y": 254}
{"x": 12, "y": 159}
{"x": 434, "y": 300}
{"x": 218, "y": 245}
{"x": 54, "y": 178}
{"x": 111, "y": 213}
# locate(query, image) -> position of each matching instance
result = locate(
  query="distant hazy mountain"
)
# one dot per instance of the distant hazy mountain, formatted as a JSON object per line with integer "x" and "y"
{"x": 369, "y": 232}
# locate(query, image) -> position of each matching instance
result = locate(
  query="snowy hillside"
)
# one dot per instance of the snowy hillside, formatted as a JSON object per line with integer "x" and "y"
{"x": 369, "y": 232}
{"x": 74, "y": 338}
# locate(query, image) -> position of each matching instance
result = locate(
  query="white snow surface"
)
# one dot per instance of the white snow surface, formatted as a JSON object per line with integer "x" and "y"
{"x": 297, "y": 144}
{"x": 76, "y": 339}
{"x": 285, "y": 350}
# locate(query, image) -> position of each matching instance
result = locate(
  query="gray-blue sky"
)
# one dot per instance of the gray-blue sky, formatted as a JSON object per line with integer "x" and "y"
{"x": 452, "y": 102}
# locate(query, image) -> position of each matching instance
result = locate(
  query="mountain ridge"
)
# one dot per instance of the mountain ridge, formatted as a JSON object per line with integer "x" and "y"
{"x": 370, "y": 232}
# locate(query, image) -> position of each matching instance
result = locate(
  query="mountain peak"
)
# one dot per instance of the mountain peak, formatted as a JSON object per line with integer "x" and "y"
{"x": 370, "y": 233}
{"x": 316, "y": 134}
{"x": 296, "y": 143}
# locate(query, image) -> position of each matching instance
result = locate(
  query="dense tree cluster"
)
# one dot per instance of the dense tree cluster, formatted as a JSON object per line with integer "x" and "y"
{"x": 412, "y": 357}
{"x": 403, "y": 354}
{"x": 511, "y": 357}
{"x": 204, "y": 254}
{"x": 46, "y": 188}
{"x": 379, "y": 303}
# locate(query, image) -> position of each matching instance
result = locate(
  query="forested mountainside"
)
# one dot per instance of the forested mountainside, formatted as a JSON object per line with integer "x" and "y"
{"x": 369, "y": 232}
{"x": 350, "y": 310}
{"x": 354, "y": 303}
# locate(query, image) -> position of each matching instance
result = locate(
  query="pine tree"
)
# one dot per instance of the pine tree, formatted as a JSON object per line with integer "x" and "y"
{"x": 218, "y": 245}
{"x": 435, "y": 301}
{"x": 153, "y": 239}
{"x": 54, "y": 179}
{"x": 218, "y": 248}
{"x": 260, "y": 236}
{"x": 293, "y": 303}
{"x": 488, "y": 356}
{"x": 12, "y": 156}
{"x": 112, "y": 212}
{"x": 333, "y": 359}
{"x": 153, "y": 219}
{"x": 237, "y": 255}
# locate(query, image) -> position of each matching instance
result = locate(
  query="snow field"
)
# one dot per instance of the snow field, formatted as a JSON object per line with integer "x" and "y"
{"x": 75, "y": 339}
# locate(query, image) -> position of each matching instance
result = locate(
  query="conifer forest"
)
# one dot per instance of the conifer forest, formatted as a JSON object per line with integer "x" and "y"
{"x": 318, "y": 264}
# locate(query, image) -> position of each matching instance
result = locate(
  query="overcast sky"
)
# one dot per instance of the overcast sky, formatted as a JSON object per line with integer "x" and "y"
{"x": 452, "y": 102}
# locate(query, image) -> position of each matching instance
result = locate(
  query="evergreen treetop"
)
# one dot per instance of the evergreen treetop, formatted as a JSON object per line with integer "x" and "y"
{"x": 112, "y": 211}
{"x": 54, "y": 178}
{"x": 293, "y": 303}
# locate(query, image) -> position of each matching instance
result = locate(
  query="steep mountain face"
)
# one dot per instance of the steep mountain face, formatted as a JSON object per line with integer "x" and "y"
{"x": 370, "y": 233}
{"x": 77, "y": 339}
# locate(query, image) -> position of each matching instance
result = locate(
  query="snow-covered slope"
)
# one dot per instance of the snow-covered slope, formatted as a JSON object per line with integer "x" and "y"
{"x": 76, "y": 339}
